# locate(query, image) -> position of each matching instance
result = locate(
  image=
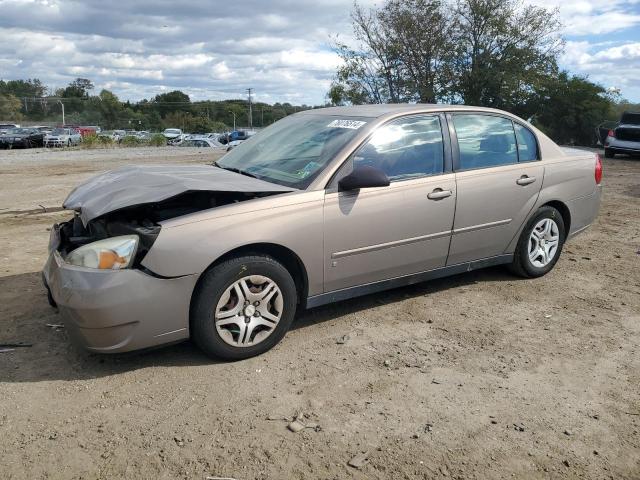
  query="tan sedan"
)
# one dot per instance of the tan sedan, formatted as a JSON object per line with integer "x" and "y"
{"x": 322, "y": 206}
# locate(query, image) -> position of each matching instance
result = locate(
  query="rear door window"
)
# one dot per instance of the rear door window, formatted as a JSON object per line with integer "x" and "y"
{"x": 485, "y": 141}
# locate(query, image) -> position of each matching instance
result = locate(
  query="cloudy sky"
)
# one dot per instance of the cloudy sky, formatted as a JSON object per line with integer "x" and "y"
{"x": 216, "y": 49}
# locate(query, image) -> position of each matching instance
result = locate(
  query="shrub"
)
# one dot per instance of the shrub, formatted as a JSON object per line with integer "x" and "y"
{"x": 157, "y": 140}
{"x": 129, "y": 141}
{"x": 95, "y": 141}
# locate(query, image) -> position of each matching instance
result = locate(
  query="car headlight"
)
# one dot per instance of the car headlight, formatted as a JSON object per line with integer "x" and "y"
{"x": 110, "y": 254}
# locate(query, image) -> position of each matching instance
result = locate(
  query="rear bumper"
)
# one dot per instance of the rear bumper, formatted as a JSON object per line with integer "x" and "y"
{"x": 622, "y": 145}
{"x": 109, "y": 311}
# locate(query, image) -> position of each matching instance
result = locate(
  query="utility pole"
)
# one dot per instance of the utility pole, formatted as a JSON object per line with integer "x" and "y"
{"x": 262, "y": 116}
{"x": 62, "y": 104}
{"x": 234, "y": 119}
{"x": 250, "y": 112}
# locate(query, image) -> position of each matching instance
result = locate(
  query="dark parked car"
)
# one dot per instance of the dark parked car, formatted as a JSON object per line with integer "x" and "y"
{"x": 22, "y": 138}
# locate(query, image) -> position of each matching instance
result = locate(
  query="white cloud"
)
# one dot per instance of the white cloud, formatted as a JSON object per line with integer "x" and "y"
{"x": 611, "y": 66}
{"x": 211, "y": 49}
{"x": 602, "y": 41}
{"x": 581, "y": 17}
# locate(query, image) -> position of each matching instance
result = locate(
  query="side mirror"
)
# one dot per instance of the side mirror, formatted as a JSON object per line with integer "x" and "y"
{"x": 364, "y": 177}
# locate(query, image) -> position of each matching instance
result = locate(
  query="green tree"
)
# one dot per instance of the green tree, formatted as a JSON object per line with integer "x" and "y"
{"x": 504, "y": 50}
{"x": 171, "y": 102}
{"x": 79, "y": 88}
{"x": 110, "y": 108}
{"x": 569, "y": 108}
{"x": 479, "y": 52}
{"x": 29, "y": 92}
{"x": 10, "y": 106}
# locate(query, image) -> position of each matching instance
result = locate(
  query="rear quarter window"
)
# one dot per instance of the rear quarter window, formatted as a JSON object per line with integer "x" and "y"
{"x": 527, "y": 144}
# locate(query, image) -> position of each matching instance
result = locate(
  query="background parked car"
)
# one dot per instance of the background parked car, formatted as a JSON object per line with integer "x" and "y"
{"x": 114, "y": 135}
{"x": 624, "y": 137}
{"x": 172, "y": 133}
{"x": 44, "y": 129}
{"x": 231, "y": 145}
{"x": 22, "y": 138}
{"x": 62, "y": 137}
{"x": 5, "y": 127}
{"x": 201, "y": 142}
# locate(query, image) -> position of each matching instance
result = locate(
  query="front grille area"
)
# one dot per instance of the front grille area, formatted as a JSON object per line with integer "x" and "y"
{"x": 628, "y": 134}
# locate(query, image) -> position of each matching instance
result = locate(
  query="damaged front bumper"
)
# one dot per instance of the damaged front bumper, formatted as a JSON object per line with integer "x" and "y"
{"x": 113, "y": 311}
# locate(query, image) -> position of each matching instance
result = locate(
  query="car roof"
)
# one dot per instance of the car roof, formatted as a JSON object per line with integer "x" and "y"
{"x": 378, "y": 110}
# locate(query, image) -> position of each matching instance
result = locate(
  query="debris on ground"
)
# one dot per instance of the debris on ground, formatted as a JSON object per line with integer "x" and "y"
{"x": 15, "y": 345}
{"x": 298, "y": 424}
{"x": 277, "y": 417}
{"x": 359, "y": 460}
{"x": 518, "y": 427}
{"x": 179, "y": 441}
{"x": 56, "y": 326}
{"x": 343, "y": 339}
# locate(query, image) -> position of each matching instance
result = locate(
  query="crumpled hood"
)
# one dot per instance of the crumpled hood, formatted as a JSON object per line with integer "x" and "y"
{"x": 136, "y": 185}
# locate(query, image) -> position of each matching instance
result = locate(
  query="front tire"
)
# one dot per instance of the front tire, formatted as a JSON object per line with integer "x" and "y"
{"x": 243, "y": 307}
{"x": 540, "y": 244}
{"x": 608, "y": 153}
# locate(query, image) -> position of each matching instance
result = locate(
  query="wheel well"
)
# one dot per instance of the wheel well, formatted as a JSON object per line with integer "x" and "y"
{"x": 564, "y": 211}
{"x": 285, "y": 256}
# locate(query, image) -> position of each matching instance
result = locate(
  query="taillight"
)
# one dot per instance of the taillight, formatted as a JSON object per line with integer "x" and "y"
{"x": 598, "y": 172}
{"x": 612, "y": 134}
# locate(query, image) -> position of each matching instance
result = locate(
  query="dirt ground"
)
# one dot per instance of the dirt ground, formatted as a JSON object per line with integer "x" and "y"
{"x": 481, "y": 375}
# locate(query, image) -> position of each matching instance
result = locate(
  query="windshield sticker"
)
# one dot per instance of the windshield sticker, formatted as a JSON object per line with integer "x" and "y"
{"x": 308, "y": 169}
{"x": 352, "y": 124}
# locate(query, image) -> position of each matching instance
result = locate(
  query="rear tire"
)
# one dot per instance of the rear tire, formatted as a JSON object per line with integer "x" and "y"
{"x": 540, "y": 244}
{"x": 608, "y": 153}
{"x": 243, "y": 307}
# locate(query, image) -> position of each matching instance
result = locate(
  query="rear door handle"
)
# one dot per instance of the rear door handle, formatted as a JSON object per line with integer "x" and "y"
{"x": 439, "y": 194}
{"x": 525, "y": 180}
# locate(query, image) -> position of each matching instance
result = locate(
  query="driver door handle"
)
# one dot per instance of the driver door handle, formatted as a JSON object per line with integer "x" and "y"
{"x": 439, "y": 194}
{"x": 525, "y": 180}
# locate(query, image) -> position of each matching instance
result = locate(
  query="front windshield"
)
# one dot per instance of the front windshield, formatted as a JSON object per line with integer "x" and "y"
{"x": 293, "y": 151}
{"x": 60, "y": 131}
